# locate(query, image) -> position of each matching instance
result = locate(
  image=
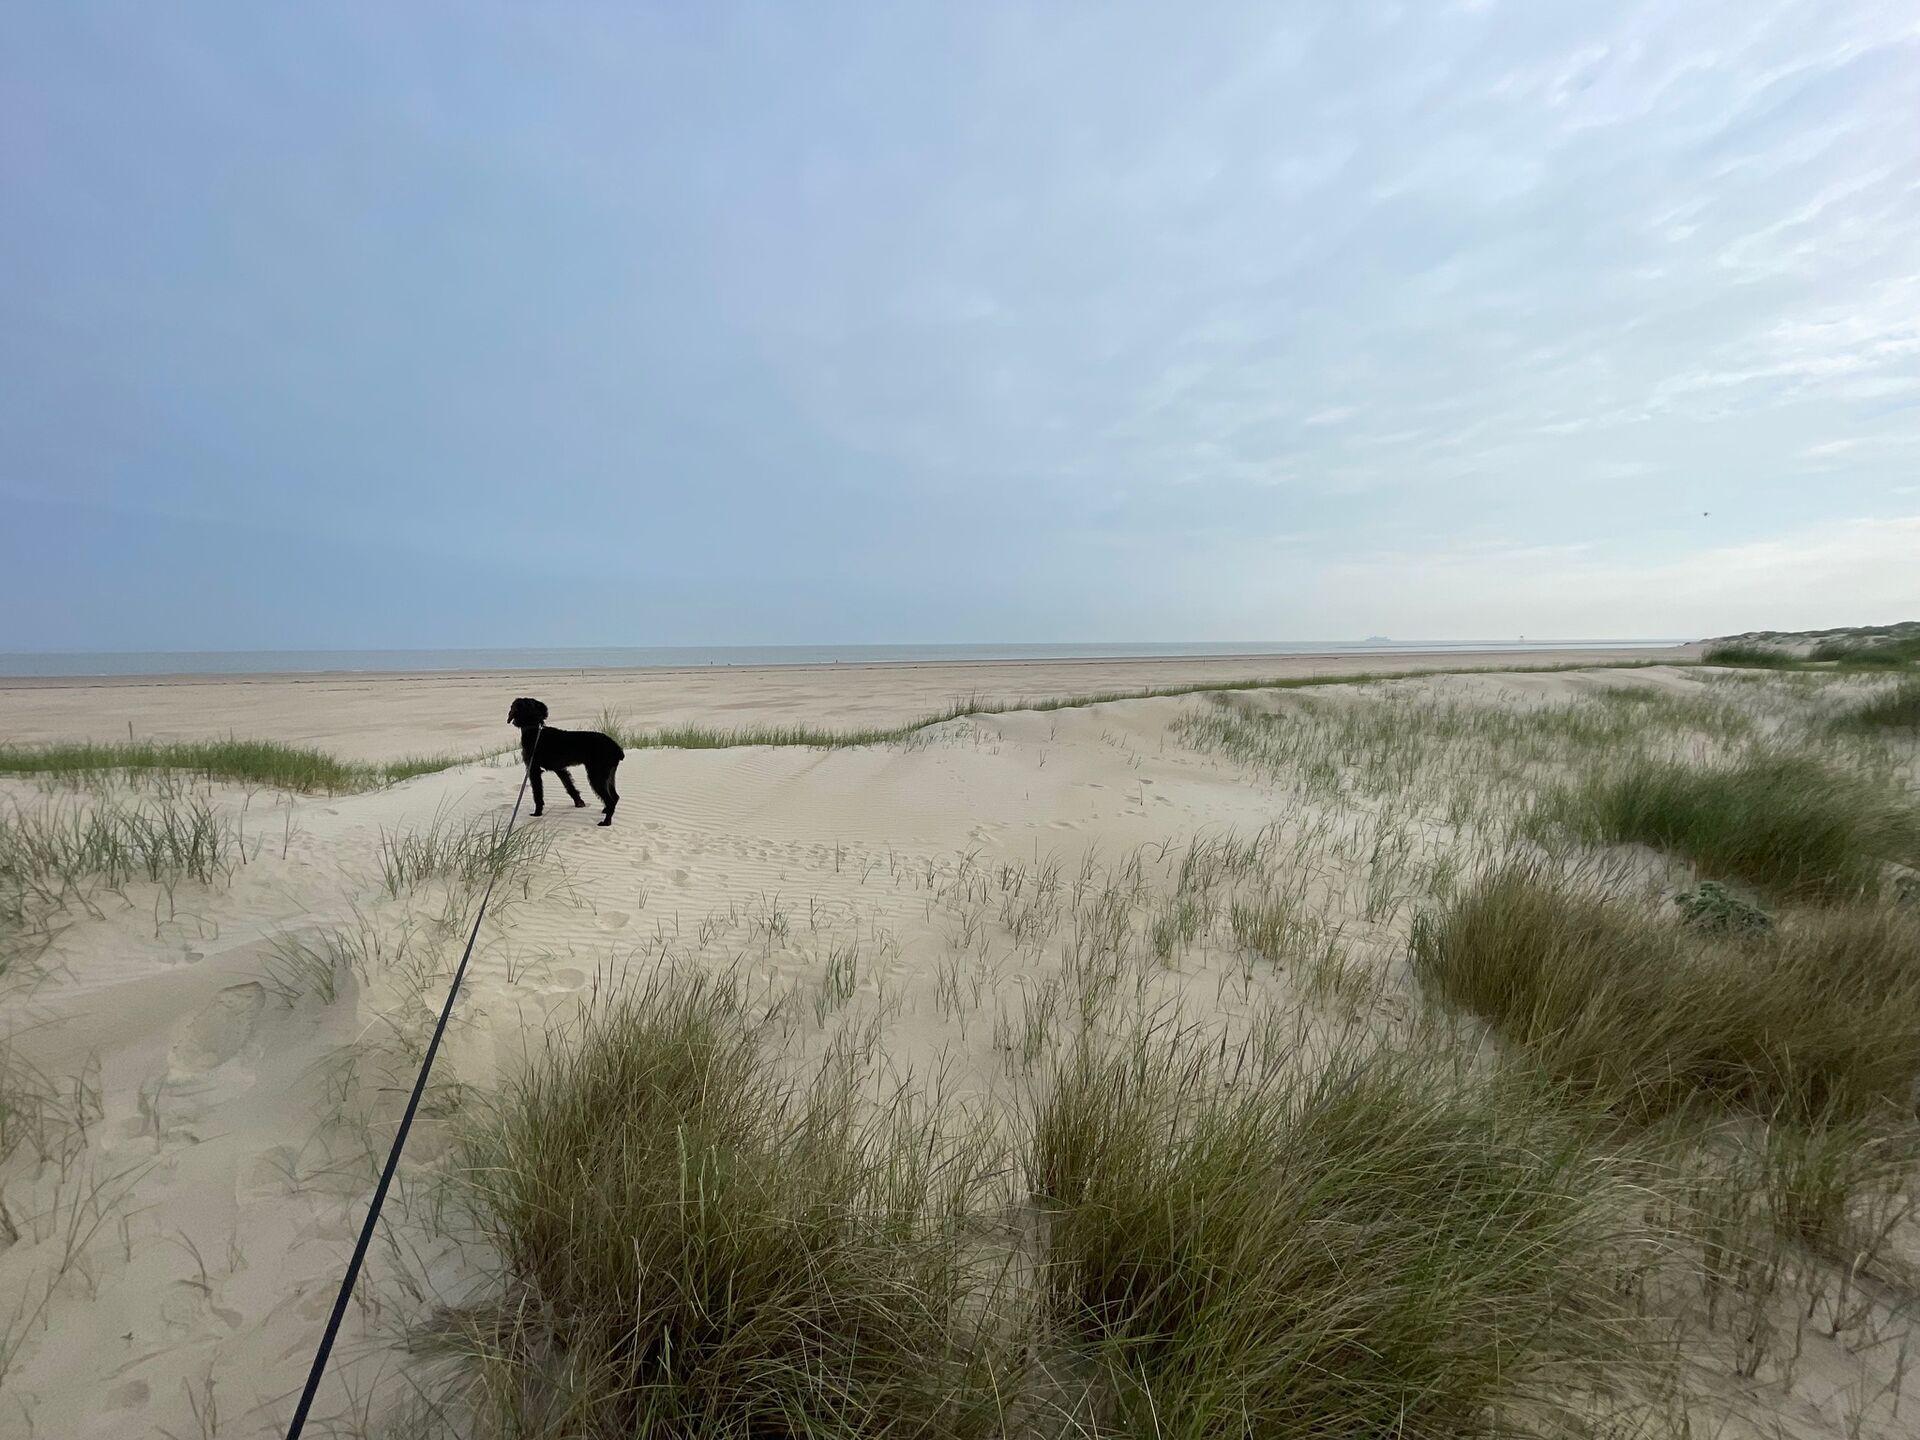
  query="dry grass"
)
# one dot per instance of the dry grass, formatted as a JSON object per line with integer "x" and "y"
{"x": 1886, "y": 651}
{"x": 1372, "y": 1243}
{"x": 706, "y": 737}
{"x": 1233, "y": 1241}
{"x": 1894, "y": 709}
{"x": 1818, "y": 1016}
{"x": 688, "y": 1246}
{"x": 1801, "y": 827}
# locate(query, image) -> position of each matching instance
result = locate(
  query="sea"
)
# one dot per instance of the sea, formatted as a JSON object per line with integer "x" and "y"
{"x": 77, "y": 664}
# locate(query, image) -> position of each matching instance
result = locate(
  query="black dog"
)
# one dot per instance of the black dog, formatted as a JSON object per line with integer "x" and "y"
{"x": 544, "y": 748}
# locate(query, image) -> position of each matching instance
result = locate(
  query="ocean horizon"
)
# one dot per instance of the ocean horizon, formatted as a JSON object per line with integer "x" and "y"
{"x": 76, "y": 664}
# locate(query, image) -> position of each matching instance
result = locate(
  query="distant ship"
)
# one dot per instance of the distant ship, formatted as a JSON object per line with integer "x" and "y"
{"x": 1376, "y": 640}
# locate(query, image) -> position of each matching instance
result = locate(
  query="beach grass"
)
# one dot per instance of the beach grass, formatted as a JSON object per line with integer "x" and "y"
{"x": 703, "y": 737}
{"x": 1374, "y": 1242}
{"x": 1875, "y": 651}
{"x": 1218, "y": 1247}
{"x": 689, "y": 1245}
{"x": 1896, "y": 708}
{"x": 48, "y": 851}
{"x": 687, "y": 1228}
{"x": 712, "y": 737}
{"x": 54, "y": 858}
{"x": 1887, "y": 652}
{"x": 310, "y": 770}
{"x": 465, "y": 852}
{"x": 243, "y": 762}
{"x": 1794, "y": 824}
{"x": 1816, "y": 1017}
{"x": 1749, "y": 656}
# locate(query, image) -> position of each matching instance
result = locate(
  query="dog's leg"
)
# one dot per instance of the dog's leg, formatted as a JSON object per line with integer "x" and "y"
{"x": 567, "y": 781}
{"x": 602, "y": 782}
{"x": 533, "y": 784}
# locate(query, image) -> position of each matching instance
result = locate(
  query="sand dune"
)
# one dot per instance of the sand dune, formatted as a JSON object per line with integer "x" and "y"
{"x": 379, "y": 717}
{"x": 229, "y": 1114}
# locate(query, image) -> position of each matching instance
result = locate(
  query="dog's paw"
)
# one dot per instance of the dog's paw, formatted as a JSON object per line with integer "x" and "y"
{"x": 607, "y": 821}
{"x": 579, "y": 804}
{"x": 535, "y": 815}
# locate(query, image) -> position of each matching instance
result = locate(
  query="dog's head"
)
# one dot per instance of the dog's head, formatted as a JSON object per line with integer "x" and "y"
{"x": 524, "y": 712}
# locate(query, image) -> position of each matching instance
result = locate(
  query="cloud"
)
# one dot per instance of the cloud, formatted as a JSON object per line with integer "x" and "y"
{"x": 1838, "y": 572}
{"x": 977, "y": 302}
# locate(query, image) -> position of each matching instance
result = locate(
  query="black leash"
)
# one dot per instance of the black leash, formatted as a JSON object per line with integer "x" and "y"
{"x": 341, "y": 1300}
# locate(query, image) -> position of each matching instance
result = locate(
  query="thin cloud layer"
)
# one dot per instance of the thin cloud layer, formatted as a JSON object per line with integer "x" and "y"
{"x": 1007, "y": 322}
{"x": 1791, "y": 581}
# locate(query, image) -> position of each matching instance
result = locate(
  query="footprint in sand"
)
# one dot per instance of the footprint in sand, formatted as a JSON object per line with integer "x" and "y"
{"x": 679, "y": 877}
{"x": 217, "y": 1033}
{"x": 613, "y": 919}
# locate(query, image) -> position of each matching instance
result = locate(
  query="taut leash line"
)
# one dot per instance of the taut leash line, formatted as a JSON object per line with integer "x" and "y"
{"x": 341, "y": 1300}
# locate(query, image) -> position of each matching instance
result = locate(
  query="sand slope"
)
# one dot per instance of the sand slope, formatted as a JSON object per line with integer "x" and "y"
{"x": 379, "y": 717}
{"x": 177, "y": 1250}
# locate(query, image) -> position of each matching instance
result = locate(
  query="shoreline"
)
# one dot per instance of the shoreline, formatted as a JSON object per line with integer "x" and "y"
{"x": 1677, "y": 650}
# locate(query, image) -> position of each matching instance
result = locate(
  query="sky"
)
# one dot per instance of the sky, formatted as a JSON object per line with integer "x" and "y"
{"x": 376, "y": 325}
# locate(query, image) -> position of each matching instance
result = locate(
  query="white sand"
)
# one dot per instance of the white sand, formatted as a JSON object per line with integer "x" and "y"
{"x": 216, "y": 1192}
{"x": 377, "y": 717}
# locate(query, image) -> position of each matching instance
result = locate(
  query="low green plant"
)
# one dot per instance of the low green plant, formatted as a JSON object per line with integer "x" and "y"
{"x": 1712, "y": 907}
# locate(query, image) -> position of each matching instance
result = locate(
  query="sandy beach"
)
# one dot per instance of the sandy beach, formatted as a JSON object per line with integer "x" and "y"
{"x": 378, "y": 717}
{"x": 1054, "y": 722}
{"x": 215, "y": 1064}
